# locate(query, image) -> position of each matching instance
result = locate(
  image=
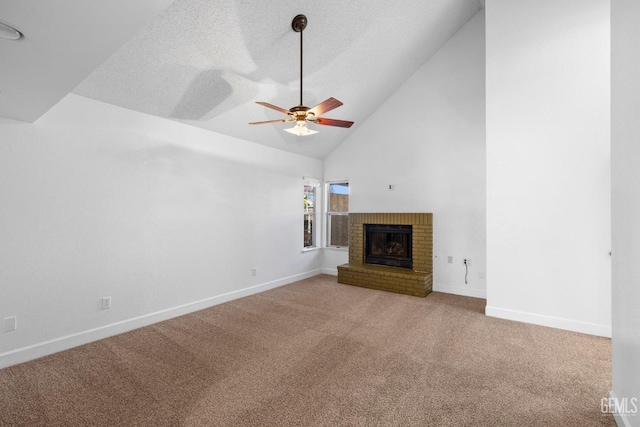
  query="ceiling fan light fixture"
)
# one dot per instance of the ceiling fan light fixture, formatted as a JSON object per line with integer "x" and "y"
{"x": 301, "y": 129}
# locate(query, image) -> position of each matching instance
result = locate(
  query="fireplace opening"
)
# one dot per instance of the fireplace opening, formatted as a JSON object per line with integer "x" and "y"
{"x": 388, "y": 245}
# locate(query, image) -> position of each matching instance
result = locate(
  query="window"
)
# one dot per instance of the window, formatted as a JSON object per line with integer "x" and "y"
{"x": 338, "y": 214}
{"x": 309, "y": 212}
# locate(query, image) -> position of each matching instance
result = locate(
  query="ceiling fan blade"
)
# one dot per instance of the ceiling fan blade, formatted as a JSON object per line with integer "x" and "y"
{"x": 333, "y": 122}
{"x": 272, "y": 121}
{"x": 324, "y": 106}
{"x": 274, "y": 107}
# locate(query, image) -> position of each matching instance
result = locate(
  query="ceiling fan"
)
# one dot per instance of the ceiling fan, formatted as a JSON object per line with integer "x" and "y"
{"x": 301, "y": 114}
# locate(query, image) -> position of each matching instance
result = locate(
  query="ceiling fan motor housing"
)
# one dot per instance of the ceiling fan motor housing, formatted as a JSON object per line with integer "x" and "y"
{"x": 301, "y": 113}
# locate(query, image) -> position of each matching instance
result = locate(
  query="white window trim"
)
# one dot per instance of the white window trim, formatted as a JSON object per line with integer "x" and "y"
{"x": 327, "y": 214}
{"x": 317, "y": 232}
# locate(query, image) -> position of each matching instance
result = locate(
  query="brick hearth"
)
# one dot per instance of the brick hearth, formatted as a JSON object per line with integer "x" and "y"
{"x": 417, "y": 281}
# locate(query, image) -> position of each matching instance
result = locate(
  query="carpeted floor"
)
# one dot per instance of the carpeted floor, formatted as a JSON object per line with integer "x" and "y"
{"x": 319, "y": 353}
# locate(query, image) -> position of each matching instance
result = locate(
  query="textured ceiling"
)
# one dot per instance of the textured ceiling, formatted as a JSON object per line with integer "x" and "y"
{"x": 206, "y": 62}
{"x": 64, "y": 41}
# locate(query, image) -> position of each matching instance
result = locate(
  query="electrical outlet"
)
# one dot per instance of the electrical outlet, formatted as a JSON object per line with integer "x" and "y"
{"x": 450, "y": 259}
{"x": 10, "y": 324}
{"x": 467, "y": 262}
{"x": 106, "y": 303}
{"x": 254, "y": 271}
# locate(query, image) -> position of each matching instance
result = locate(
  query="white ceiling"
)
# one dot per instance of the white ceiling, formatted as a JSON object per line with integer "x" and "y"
{"x": 64, "y": 41}
{"x": 205, "y": 62}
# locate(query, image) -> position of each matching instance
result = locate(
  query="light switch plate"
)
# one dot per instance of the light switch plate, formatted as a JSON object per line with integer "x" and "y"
{"x": 10, "y": 324}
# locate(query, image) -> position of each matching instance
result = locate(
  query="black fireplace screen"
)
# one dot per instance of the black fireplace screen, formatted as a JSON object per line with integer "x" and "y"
{"x": 388, "y": 245}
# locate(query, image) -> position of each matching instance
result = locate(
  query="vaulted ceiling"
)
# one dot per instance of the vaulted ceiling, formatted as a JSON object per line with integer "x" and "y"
{"x": 205, "y": 62}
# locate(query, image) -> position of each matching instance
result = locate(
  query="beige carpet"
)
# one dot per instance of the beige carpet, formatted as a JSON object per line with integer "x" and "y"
{"x": 319, "y": 353}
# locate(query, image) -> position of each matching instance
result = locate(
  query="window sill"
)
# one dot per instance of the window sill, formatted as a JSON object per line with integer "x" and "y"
{"x": 310, "y": 249}
{"x": 339, "y": 248}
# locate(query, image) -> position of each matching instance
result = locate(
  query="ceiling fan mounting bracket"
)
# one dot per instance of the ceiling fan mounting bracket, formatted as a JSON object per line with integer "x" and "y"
{"x": 299, "y": 23}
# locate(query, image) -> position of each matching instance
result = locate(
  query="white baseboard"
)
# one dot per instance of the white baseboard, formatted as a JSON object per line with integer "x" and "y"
{"x": 622, "y": 420}
{"x": 460, "y": 290}
{"x": 35, "y": 351}
{"x": 550, "y": 321}
{"x": 331, "y": 271}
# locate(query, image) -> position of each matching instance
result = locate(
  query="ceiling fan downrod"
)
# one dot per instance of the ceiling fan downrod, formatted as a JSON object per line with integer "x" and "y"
{"x": 298, "y": 24}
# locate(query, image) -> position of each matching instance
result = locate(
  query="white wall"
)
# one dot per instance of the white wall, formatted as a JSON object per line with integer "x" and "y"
{"x": 548, "y": 172}
{"x": 428, "y": 141}
{"x": 164, "y": 218}
{"x": 625, "y": 153}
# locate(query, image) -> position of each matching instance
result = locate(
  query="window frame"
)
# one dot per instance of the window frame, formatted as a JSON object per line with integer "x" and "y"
{"x": 315, "y": 229}
{"x": 329, "y": 214}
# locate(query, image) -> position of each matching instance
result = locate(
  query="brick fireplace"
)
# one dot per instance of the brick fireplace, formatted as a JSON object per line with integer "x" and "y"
{"x": 414, "y": 277}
